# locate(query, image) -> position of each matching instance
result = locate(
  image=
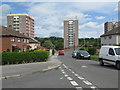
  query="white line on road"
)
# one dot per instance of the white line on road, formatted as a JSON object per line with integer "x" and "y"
{"x": 69, "y": 69}
{"x": 84, "y": 66}
{"x": 65, "y": 66}
{"x": 69, "y": 78}
{"x": 80, "y": 77}
{"x": 73, "y": 72}
{"x": 78, "y": 88}
{"x": 66, "y": 75}
{"x": 93, "y": 87}
{"x": 73, "y": 83}
{"x": 76, "y": 75}
{"x": 60, "y": 67}
{"x": 62, "y": 70}
{"x": 61, "y": 78}
{"x": 87, "y": 82}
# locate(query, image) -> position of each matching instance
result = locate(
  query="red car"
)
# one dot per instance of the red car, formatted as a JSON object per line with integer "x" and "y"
{"x": 61, "y": 52}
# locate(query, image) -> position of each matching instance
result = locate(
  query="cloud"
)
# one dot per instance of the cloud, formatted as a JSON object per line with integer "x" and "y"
{"x": 50, "y": 17}
{"x": 101, "y": 17}
{"x": 4, "y": 9}
{"x": 101, "y": 7}
{"x": 60, "y": 1}
{"x": 58, "y": 34}
{"x": 91, "y": 29}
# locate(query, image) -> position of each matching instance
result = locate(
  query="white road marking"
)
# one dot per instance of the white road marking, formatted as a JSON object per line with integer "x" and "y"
{"x": 73, "y": 83}
{"x": 65, "y": 66}
{"x": 62, "y": 70}
{"x": 80, "y": 77}
{"x": 61, "y": 78}
{"x": 84, "y": 66}
{"x": 93, "y": 87}
{"x": 69, "y": 78}
{"x": 60, "y": 67}
{"x": 73, "y": 72}
{"x": 66, "y": 75}
{"x": 78, "y": 87}
{"x": 76, "y": 75}
{"x": 87, "y": 82}
{"x": 69, "y": 69}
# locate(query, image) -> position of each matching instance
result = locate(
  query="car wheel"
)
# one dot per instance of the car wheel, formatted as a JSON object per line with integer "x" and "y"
{"x": 101, "y": 62}
{"x": 118, "y": 65}
{"x": 89, "y": 58}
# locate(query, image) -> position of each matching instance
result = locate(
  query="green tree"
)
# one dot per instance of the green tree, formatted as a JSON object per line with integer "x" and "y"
{"x": 48, "y": 44}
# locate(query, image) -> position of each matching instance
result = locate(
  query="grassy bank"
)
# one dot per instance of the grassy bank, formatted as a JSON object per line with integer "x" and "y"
{"x": 96, "y": 58}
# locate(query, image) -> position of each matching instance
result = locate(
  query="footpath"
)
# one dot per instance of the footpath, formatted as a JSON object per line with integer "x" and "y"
{"x": 10, "y": 71}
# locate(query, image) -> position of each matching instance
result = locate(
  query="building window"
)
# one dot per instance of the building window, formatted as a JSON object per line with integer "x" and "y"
{"x": 19, "y": 40}
{"x": 110, "y": 37}
{"x": 13, "y": 39}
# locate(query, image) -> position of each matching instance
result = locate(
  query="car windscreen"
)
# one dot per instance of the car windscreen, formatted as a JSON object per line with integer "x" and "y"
{"x": 84, "y": 52}
{"x": 117, "y": 50}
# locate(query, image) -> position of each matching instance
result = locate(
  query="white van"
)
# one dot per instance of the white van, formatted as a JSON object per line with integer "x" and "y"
{"x": 110, "y": 55}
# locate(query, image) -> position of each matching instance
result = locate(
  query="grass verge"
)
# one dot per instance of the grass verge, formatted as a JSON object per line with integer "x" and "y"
{"x": 96, "y": 58}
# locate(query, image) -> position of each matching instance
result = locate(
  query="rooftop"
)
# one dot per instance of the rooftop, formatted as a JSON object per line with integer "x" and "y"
{"x": 19, "y": 15}
{"x": 115, "y": 31}
{"x": 8, "y": 32}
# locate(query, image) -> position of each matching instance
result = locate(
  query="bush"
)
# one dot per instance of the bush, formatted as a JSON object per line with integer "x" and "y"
{"x": 92, "y": 51}
{"x": 83, "y": 49}
{"x": 24, "y": 57}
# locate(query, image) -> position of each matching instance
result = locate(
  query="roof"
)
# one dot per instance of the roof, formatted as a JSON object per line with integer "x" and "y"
{"x": 32, "y": 40}
{"x": 8, "y": 32}
{"x": 19, "y": 15}
{"x": 115, "y": 31}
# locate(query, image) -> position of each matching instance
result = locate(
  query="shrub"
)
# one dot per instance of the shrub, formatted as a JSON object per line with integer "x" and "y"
{"x": 92, "y": 51}
{"x": 26, "y": 57}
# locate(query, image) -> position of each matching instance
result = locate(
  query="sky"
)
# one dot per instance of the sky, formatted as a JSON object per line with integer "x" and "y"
{"x": 49, "y": 16}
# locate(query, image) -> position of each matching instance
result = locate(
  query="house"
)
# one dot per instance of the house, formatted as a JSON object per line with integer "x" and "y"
{"x": 111, "y": 37}
{"x": 12, "y": 40}
{"x": 33, "y": 44}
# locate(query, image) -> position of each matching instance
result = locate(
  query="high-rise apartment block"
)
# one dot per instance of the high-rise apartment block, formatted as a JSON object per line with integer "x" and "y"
{"x": 22, "y": 23}
{"x": 108, "y": 26}
{"x": 70, "y": 33}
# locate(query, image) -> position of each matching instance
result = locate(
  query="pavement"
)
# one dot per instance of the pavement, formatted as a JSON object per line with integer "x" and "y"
{"x": 10, "y": 71}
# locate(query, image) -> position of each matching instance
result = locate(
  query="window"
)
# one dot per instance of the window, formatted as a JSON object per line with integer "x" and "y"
{"x": 117, "y": 50}
{"x": 19, "y": 40}
{"x": 111, "y": 51}
{"x": 13, "y": 39}
{"x": 110, "y": 37}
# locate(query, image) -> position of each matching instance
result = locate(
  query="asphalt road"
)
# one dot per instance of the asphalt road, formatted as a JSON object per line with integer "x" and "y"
{"x": 77, "y": 74}
{"x": 101, "y": 76}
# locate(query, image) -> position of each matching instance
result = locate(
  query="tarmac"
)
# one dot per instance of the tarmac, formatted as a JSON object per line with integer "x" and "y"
{"x": 17, "y": 70}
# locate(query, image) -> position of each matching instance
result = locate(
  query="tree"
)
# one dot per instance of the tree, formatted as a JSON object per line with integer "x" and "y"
{"x": 48, "y": 44}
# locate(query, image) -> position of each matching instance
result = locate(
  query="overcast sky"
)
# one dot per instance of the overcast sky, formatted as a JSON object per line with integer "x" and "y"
{"x": 49, "y": 16}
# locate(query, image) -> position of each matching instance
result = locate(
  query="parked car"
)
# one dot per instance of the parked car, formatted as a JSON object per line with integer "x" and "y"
{"x": 74, "y": 53}
{"x": 61, "y": 52}
{"x": 110, "y": 55}
{"x": 82, "y": 54}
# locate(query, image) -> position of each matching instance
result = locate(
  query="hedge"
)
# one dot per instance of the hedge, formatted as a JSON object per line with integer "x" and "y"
{"x": 24, "y": 57}
{"x": 92, "y": 51}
